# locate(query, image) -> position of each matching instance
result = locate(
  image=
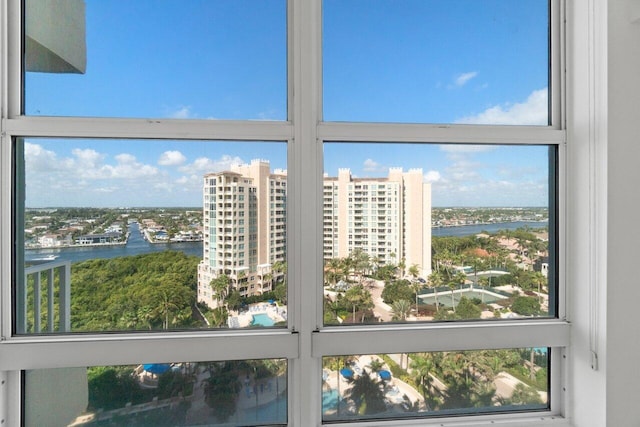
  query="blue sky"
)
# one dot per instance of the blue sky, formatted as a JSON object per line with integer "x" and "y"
{"x": 384, "y": 60}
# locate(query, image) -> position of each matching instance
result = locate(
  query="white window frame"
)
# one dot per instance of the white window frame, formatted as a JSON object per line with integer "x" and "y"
{"x": 306, "y": 340}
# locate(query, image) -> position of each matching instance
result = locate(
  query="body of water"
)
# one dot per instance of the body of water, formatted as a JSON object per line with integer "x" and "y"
{"x": 468, "y": 230}
{"x": 137, "y": 245}
{"x": 262, "y": 319}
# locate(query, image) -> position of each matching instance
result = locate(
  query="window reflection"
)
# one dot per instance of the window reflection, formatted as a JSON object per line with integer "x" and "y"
{"x": 432, "y": 384}
{"x": 239, "y": 393}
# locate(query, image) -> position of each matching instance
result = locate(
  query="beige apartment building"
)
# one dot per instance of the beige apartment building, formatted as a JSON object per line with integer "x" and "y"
{"x": 244, "y": 228}
{"x": 388, "y": 218}
{"x": 245, "y": 223}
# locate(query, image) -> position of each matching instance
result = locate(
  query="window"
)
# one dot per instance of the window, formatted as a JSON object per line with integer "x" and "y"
{"x": 308, "y": 318}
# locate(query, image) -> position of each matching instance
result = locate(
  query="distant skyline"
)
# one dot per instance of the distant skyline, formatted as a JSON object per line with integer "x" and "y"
{"x": 400, "y": 61}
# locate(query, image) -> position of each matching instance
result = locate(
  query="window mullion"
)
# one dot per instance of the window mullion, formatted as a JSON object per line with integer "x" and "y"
{"x": 305, "y": 168}
{"x": 34, "y": 353}
{"x": 149, "y": 129}
{"x": 443, "y": 337}
{"x": 375, "y": 132}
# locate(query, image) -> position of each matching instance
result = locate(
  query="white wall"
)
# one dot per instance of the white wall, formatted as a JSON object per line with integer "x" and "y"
{"x": 623, "y": 280}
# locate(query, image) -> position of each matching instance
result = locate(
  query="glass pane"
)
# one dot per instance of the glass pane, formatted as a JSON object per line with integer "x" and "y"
{"x": 119, "y": 235}
{"x": 239, "y": 393}
{"x": 422, "y": 232}
{"x": 201, "y": 59}
{"x": 436, "y": 61}
{"x": 434, "y": 384}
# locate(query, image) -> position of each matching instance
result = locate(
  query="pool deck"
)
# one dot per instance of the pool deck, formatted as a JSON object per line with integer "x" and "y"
{"x": 244, "y": 319}
{"x": 395, "y": 389}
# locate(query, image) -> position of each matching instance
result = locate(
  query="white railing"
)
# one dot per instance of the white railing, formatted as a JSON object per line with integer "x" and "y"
{"x": 33, "y": 285}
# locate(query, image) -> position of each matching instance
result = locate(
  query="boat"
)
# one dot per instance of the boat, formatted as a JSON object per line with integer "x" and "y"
{"x": 42, "y": 258}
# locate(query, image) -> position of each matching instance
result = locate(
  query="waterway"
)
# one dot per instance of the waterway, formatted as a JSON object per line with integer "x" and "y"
{"x": 137, "y": 245}
{"x": 468, "y": 230}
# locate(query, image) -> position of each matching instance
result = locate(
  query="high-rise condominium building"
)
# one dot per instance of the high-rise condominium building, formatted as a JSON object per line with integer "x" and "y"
{"x": 388, "y": 218}
{"x": 245, "y": 223}
{"x": 244, "y": 229}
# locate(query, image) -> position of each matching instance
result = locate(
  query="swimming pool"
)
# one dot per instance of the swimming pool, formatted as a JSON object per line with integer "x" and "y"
{"x": 262, "y": 319}
{"x": 329, "y": 401}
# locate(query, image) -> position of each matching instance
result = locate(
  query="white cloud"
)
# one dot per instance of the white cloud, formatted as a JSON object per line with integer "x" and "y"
{"x": 533, "y": 111}
{"x": 181, "y": 113}
{"x": 371, "y": 165}
{"x": 106, "y": 189}
{"x": 204, "y": 165}
{"x": 171, "y": 158}
{"x": 87, "y": 157}
{"x": 85, "y": 164}
{"x": 464, "y": 78}
{"x": 125, "y": 159}
{"x": 432, "y": 176}
{"x": 38, "y": 158}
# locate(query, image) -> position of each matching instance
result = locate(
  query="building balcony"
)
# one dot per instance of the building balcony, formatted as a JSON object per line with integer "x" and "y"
{"x": 40, "y": 281}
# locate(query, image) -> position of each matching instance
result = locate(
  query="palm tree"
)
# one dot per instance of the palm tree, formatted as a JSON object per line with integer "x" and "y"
{"x": 434, "y": 281}
{"x": 360, "y": 262}
{"x": 376, "y": 365}
{"x": 334, "y": 271}
{"x": 145, "y": 314}
{"x": 280, "y": 267}
{"x": 459, "y": 279}
{"x": 422, "y": 367}
{"x": 358, "y": 297}
{"x": 219, "y": 316}
{"x": 523, "y": 395}
{"x": 166, "y": 304}
{"x": 539, "y": 279}
{"x": 402, "y": 265}
{"x": 220, "y": 285}
{"x": 267, "y": 278}
{"x": 367, "y": 394}
{"x": 484, "y": 282}
{"x": 239, "y": 276}
{"x": 416, "y": 287}
{"x": 414, "y": 271}
{"x": 401, "y": 309}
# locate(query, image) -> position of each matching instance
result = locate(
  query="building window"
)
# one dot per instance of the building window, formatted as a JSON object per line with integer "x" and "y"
{"x": 396, "y": 305}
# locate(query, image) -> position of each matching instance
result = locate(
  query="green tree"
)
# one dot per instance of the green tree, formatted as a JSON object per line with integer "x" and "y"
{"x": 524, "y": 395}
{"x": 422, "y": 371}
{"x": 397, "y": 290}
{"x": 401, "y": 309}
{"x": 112, "y": 387}
{"x": 234, "y": 300}
{"x": 280, "y": 270}
{"x": 220, "y": 286}
{"x": 458, "y": 279}
{"x": 434, "y": 281}
{"x": 526, "y": 306}
{"x": 280, "y": 293}
{"x": 221, "y": 389}
{"x": 359, "y": 299}
{"x": 467, "y": 309}
{"x": 367, "y": 394}
{"x": 218, "y": 317}
{"x": 414, "y": 271}
{"x": 170, "y": 302}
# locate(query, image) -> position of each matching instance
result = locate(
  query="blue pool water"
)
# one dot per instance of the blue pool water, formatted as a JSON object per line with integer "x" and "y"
{"x": 329, "y": 400}
{"x": 262, "y": 319}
